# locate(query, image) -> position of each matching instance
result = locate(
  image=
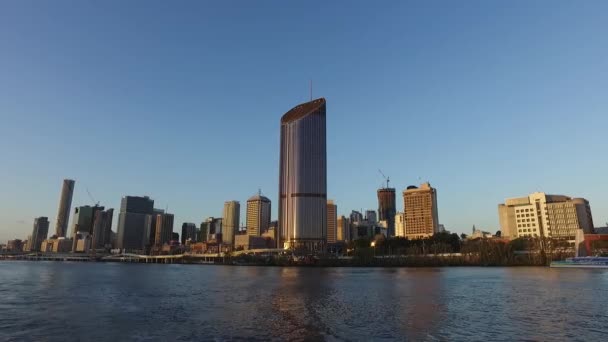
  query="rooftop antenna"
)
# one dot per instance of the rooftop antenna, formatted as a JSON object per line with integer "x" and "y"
{"x": 259, "y": 191}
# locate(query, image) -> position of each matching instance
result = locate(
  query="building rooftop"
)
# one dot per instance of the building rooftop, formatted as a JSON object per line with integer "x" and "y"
{"x": 258, "y": 198}
{"x": 302, "y": 110}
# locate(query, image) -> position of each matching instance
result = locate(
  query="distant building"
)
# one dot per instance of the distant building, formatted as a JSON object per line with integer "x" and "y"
{"x": 212, "y": 226}
{"x": 188, "y": 233}
{"x": 387, "y": 208}
{"x": 58, "y": 245}
{"x": 370, "y": 216}
{"x": 400, "y": 224}
{"x": 102, "y": 229}
{"x": 247, "y": 242}
{"x": 14, "y": 245}
{"x": 39, "y": 233}
{"x": 540, "y": 214}
{"x": 258, "y": 215}
{"x": 164, "y": 229}
{"x": 65, "y": 203}
{"x": 420, "y": 209}
{"x": 332, "y": 222}
{"x": 230, "y": 221}
{"x": 356, "y": 216}
{"x": 479, "y": 234}
{"x": 342, "y": 229}
{"x": 303, "y": 178}
{"x": 132, "y": 222}
{"x": 84, "y": 217}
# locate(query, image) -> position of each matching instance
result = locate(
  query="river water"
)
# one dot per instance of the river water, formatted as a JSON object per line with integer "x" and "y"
{"x": 62, "y": 301}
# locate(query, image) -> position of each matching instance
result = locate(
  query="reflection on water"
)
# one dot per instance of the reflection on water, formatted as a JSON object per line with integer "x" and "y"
{"x": 51, "y": 301}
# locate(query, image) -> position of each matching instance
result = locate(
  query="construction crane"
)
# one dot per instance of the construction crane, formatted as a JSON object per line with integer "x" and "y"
{"x": 386, "y": 178}
{"x": 91, "y": 197}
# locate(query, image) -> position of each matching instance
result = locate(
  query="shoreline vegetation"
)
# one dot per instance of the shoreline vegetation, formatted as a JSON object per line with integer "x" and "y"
{"x": 440, "y": 250}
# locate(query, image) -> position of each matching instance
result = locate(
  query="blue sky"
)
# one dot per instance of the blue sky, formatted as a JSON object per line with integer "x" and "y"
{"x": 181, "y": 101}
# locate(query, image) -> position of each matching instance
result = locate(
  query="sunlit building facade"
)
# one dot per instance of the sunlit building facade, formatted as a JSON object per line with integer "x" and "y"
{"x": 420, "y": 209}
{"x": 303, "y": 177}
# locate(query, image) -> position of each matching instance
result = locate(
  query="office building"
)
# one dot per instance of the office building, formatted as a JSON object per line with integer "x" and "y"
{"x": 258, "y": 215}
{"x": 15, "y": 245}
{"x": 332, "y": 222}
{"x": 132, "y": 222}
{"x": 303, "y": 177}
{"x": 164, "y": 229}
{"x": 102, "y": 228}
{"x": 540, "y": 214}
{"x": 420, "y": 209}
{"x": 342, "y": 229}
{"x": 65, "y": 203}
{"x": 370, "y": 216}
{"x": 188, "y": 233}
{"x": 212, "y": 227}
{"x": 39, "y": 233}
{"x": 400, "y": 224}
{"x": 230, "y": 221}
{"x": 355, "y": 216}
{"x": 387, "y": 208}
{"x": 84, "y": 217}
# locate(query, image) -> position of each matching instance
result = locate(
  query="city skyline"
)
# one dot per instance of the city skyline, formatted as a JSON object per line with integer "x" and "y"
{"x": 464, "y": 105}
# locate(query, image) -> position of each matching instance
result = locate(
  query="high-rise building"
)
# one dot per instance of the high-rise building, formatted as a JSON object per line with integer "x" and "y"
{"x": 332, "y": 222}
{"x": 356, "y": 216}
{"x": 370, "y": 216}
{"x": 420, "y": 209}
{"x": 303, "y": 177}
{"x": 102, "y": 228}
{"x": 65, "y": 203}
{"x": 230, "y": 221}
{"x": 164, "y": 229}
{"x": 343, "y": 229}
{"x": 258, "y": 215}
{"x": 39, "y": 233}
{"x": 132, "y": 222}
{"x": 540, "y": 214}
{"x": 400, "y": 224}
{"x": 188, "y": 232}
{"x": 84, "y": 217}
{"x": 387, "y": 208}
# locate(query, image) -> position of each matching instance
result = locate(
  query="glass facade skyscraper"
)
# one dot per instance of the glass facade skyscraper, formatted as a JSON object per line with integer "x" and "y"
{"x": 303, "y": 177}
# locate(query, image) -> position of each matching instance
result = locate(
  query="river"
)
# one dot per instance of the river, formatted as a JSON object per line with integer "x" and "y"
{"x": 71, "y": 301}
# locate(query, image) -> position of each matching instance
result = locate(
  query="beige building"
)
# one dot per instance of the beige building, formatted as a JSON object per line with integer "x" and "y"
{"x": 258, "y": 215}
{"x": 400, "y": 224}
{"x": 230, "y": 221}
{"x": 59, "y": 245}
{"x": 539, "y": 214}
{"x": 342, "y": 226}
{"x": 332, "y": 222}
{"x": 420, "y": 210}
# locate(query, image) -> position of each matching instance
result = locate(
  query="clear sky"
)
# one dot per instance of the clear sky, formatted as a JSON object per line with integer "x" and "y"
{"x": 181, "y": 101}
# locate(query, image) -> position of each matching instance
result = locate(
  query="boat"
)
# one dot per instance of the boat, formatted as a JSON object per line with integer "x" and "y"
{"x": 582, "y": 262}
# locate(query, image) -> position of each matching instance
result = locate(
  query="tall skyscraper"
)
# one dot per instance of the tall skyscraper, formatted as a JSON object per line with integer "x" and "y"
{"x": 102, "y": 229}
{"x": 332, "y": 222}
{"x": 420, "y": 209}
{"x": 39, "y": 233}
{"x": 540, "y": 214}
{"x": 164, "y": 228}
{"x": 258, "y": 215}
{"x": 188, "y": 232}
{"x": 387, "y": 208}
{"x": 132, "y": 222}
{"x": 65, "y": 203}
{"x": 230, "y": 221}
{"x": 303, "y": 177}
